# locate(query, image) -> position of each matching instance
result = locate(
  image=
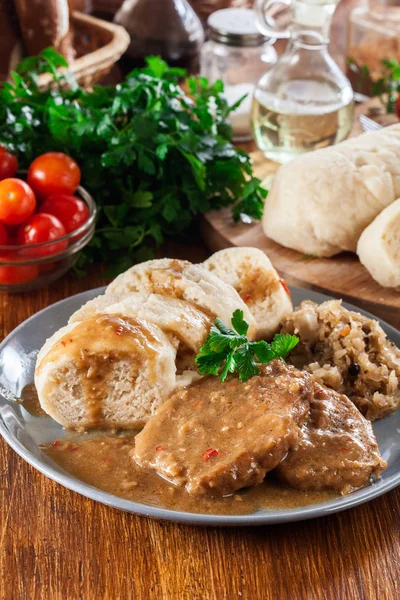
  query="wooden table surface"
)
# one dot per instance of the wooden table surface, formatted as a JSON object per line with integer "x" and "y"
{"x": 57, "y": 545}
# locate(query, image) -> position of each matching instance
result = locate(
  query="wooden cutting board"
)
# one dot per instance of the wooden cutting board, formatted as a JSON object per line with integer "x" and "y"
{"x": 342, "y": 276}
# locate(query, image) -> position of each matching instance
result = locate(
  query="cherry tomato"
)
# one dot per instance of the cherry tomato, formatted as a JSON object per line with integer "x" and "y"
{"x": 18, "y": 273}
{"x": 17, "y": 201}
{"x": 71, "y": 211}
{"x": 53, "y": 173}
{"x": 8, "y": 163}
{"x": 3, "y": 235}
{"x": 42, "y": 228}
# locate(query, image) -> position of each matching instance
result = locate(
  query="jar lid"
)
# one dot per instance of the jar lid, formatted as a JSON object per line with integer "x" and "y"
{"x": 235, "y": 27}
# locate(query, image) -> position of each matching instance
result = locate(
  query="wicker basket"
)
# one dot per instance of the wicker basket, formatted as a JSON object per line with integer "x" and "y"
{"x": 99, "y": 45}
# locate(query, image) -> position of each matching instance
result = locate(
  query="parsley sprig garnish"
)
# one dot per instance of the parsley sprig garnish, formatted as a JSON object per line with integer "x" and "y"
{"x": 152, "y": 155}
{"x": 228, "y": 350}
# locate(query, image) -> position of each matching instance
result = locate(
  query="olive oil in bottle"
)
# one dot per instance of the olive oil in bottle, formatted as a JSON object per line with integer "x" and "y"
{"x": 285, "y": 126}
{"x": 304, "y": 101}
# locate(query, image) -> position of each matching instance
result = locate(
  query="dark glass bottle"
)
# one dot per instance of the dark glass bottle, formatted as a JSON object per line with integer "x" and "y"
{"x": 169, "y": 28}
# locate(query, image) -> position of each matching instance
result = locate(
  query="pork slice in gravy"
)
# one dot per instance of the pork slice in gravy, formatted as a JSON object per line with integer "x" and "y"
{"x": 337, "y": 448}
{"x": 215, "y": 438}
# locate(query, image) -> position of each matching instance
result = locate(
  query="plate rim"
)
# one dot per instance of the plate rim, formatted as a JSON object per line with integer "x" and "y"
{"x": 262, "y": 517}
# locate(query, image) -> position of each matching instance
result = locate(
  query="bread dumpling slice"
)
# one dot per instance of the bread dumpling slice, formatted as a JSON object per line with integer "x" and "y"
{"x": 379, "y": 247}
{"x": 176, "y": 317}
{"x": 105, "y": 372}
{"x": 251, "y": 273}
{"x": 192, "y": 283}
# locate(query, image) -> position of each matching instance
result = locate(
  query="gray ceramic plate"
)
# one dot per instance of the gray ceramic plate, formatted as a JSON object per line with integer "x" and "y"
{"x": 25, "y": 432}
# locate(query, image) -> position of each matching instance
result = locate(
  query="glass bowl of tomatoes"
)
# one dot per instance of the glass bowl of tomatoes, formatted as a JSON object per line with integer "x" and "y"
{"x": 46, "y": 219}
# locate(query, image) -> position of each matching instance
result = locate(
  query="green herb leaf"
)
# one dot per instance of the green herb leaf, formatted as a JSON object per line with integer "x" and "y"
{"x": 283, "y": 344}
{"x": 245, "y": 363}
{"x": 152, "y": 157}
{"x": 239, "y": 323}
{"x": 226, "y": 351}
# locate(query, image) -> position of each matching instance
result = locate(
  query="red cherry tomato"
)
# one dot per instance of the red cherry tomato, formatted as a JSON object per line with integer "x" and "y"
{"x": 53, "y": 173}
{"x": 3, "y": 235}
{"x": 42, "y": 228}
{"x": 71, "y": 211}
{"x": 17, "y": 201}
{"x": 8, "y": 164}
{"x": 18, "y": 273}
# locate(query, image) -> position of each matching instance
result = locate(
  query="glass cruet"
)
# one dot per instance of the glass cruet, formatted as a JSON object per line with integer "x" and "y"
{"x": 305, "y": 101}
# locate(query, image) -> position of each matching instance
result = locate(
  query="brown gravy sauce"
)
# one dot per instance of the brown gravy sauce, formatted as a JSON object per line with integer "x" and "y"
{"x": 30, "y": 401}
{"x": 254, "y": 283}
{"x": 96, "y": 344}
{"x": 105, "y": 462}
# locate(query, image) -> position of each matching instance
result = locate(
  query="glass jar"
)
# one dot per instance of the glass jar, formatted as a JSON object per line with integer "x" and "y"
{"x": 238, "y": 54}
{"x": 374, "y": 35}
{"x": 304, "y": 102}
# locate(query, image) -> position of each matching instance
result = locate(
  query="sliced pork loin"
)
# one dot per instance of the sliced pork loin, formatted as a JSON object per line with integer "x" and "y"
{"x": 215, "y": 438}
{"x": 192, "y": 283}
{"x": 337, "y": 449}
{"x": 251, "y": 273}
{"x": 107, "y": 371}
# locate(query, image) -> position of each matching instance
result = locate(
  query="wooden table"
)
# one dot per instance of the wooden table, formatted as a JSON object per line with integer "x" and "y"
{"x": 57, "y": 545}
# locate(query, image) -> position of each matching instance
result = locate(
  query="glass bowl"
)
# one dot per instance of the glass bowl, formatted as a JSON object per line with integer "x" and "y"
{"x": 28, "y": 267}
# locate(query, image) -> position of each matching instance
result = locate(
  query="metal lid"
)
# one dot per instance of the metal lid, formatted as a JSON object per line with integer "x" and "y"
{"x": 235, "y": 27}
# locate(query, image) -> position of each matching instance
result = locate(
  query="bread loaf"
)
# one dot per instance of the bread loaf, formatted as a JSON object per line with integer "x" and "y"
{"x": 192, "y": 283}
{"x": 321, "y": 202}
{"x": 45, "y": 24}
{"x": 251, "y": 273}
{"x": 105, "y": 372}
{"x": 379, "y": 247}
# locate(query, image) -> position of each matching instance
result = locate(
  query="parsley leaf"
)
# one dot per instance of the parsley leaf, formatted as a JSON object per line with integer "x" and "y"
{"x": 152, "y": 157}
{"x": 283, "y": 344}
{"x": 228, "y": 350}
{"x": 239, "y": 322}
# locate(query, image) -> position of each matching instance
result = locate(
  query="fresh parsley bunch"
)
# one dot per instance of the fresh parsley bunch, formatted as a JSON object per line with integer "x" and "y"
{"x": 152, "y": 156}
{"x": 231, "y": 351}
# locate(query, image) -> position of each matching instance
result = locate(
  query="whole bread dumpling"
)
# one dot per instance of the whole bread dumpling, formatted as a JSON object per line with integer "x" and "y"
{"x": 105, "y": 372}
{"x": 251, "y": 273}
{"x": 321, "y": 202}
{"x": 379, "y": 247}
{"x": 183, "y": 280}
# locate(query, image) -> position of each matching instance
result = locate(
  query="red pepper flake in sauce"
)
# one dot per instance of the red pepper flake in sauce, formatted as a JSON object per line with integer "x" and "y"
{"x": 64, "y": 343}
{"x": 159, "y": 448}
{"x": 119, "y": 330}
{"x": 247, "y": 298}
{"x": 56, "y": 443}
{"x": 196, "y": 403}
{"x": 106, "y": 458}
{"x": 210, "y": 453}
{"x": 344, "y": 449}
{"x": 74, "y": 448}
{"x": 285, "y": 287}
